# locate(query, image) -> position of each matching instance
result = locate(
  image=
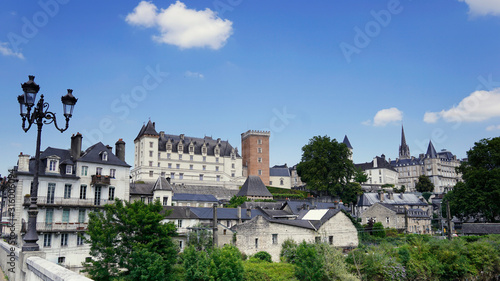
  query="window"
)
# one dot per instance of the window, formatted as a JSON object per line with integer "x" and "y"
{"x": 204, "y": 159}
{"x": 180, "y": 244}
{"x": 83, "y": 191}
{"x": 112, "y": 173}
{"x": 168, "y": 155}
{"x": 165, "y": 201}
{"x": 259, "y": 149}
{"x": 50, "y": 193}
{"x": 232, "y": 166}
{"x": 201, "y": 177}
{"x": 232, "y": 175}
{"x": 53, "y": 164}
{"x": 151, "y": 144}
{"x": 48, "y": 215}
{"x": 204, "y": 150}
{"x": 98, "y": 171}
{"x": 191, "y": 148}
{"x": 177, "y": 166}
{"x": 170, "y": 165}
{"x": 216, "y": 159}
{"x": 259, "y": 141}
{"x": 217, "y": 178}
{"x": 65, "y": 216}
{"x": 81, "y": 216}
{"x": 47, "y": 239}
{"x": 216, "y": 168}
{"x": 387, "y": 220}
{"x": 105, "y": 156}
{"x": 64, "y": 239}
{"x": 179, "y": 223}
{"x": 259, "y": 172}
{"x": 259, "y": 159}
{"x": 67, "y": 191}
{"x": 190, "y": 167}
{"x": 330, "y": 240}
{"x": 191, "y": 157}
{"x": 282, "y": 182}
{"x": 151, "y": 174}
{"x": 79, "y": 240}
{"x": 162, "y": 174}
{"x": 180, "y": 156}
{"x": 150, "y": 163}
{"x": 172, "y": 176}
{"x": 256, "y": 243}
{"x": 111, "y": 194}
{"x": 97, "y": 196}
{"x": 275, "y": 238}
{"x": 69, "y": 169}
{"x": 150, "y": 153}
{"x": 204, "y": 167}
{"x": 61, "y": 260}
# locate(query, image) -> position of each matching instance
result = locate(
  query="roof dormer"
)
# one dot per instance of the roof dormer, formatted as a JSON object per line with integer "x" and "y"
{"x": 191, "y": 147}
{"x": 180, "y": 147}
{"x": 217, "y": 150}
{"x": 104, "y": 156}
{"x": 204, "y": 149}
{"x": 52, "y": 164}
{"x": 169, "y": 145}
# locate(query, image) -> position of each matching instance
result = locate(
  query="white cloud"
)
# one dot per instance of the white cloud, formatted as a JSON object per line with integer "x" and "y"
{"x": 483, "y": 7}
{"x": 194, "y": 74}
{"x": 478, "y": 106}
{"x": 386, "y": 116}
{"x": 493, "y": 128}
{"x": 183, "y": 27}
{"x": 7, "y": 51}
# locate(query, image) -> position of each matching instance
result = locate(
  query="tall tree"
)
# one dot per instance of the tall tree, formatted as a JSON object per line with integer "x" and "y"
{"x": 360, "y": 176}
{"x": 326, "y": 166}
{"x": 424, "y": 184}
{"x": 124, "y": 235}
{"x": 479, "y": 194}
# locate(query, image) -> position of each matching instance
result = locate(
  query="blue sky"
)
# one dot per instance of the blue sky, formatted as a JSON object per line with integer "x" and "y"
{"x": 219, "y": 68}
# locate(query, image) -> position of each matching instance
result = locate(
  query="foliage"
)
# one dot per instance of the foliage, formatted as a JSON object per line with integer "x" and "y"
{"x": 213, "y": 264}
{"x": 263, "y": 255}
{"x": 287, "y": 193}
{"x": 334, "y": 265}
{"x": 288, "y": 251}
{"x": 426, "y": 195}
{"x": 196, "y": 264}
{"x": 126, "y": 233}
{"x": 402, "y": 189}
{"x": 424, "y": 184}
{"x": 309, "y": 263}
{"x": 236, "y": 201}
{"x": 200, "y": 237}
{"x": 479, "y": 194}
{"x": 388, "y": 185}
{"x": 259, "y": 271}
{"x": 360, "y": 176}
{"x": 378, "y": 230}
{"x": 351, "y": 192}
{"x": 325, "y": 166}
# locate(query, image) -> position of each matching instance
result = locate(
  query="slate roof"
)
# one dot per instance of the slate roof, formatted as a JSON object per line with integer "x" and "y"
{"x": 194, "y": 197}
{"x": 481, "y": 228}
{"x": 317, "y": 217}
{"x": 262, "y": 205}
{"x": 254, "y": 186}
{"x": 279, "y": 171}
{"x": 431, "y": 151}
{"x": 276, "y": 214}
{"x": 93, "y": 155}
{"x": 148, "y": 129}
{"x": 297, "y": 206}
{"x": 347, "y": 142}
{"x": 162, "y": 184}
{"x": 417, "y": 213}
{"x": 145, "y": 189}
{"x": 381, "y": 163}
{"x": 370, "y": 198}
{"x": 184, "y": 212}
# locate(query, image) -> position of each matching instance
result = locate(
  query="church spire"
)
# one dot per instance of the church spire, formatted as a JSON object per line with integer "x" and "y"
{"x": 404, "y": 149}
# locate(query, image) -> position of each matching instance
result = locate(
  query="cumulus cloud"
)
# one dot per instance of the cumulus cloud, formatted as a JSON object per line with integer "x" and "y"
{"x": 483, "y": 7}
{"x": 384, "y": 117}
{"x": 478, "y": 106}
{"x": 182, "y": 27}
{"x": 7, "y": 51}
{"x": 193, "y": 74}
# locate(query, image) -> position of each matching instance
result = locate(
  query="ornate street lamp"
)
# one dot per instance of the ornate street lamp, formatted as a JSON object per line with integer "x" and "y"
{"x": 39, "y": 116}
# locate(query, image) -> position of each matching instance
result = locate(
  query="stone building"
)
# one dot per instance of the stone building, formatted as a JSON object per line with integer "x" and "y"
{"x": 438, "y": 166}
{"x": 379, "y": 172}
{"x": 185, "y": 160}
{"x": 255, "y": 149}
{"x": 398, "y": 200}
{"x": 262, "y": 233}
{"x": 411, "y": 220}
{"x": 279, "y": 176}
{"x": 72, "y": 183}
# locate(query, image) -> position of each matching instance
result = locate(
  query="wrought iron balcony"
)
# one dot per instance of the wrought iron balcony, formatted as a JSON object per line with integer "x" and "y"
{"x": 101, "y": 180}
{"x": 43, "y": 201}
{"x": 61, "y": 227}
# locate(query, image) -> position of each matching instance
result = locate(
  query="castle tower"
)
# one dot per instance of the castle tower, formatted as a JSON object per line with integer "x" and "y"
{"x": 349, "y": 146}
{"x": 404, "y": 149}
{"x": 255, "y": 153}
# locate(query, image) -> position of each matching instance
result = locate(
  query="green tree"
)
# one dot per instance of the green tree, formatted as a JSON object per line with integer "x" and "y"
{"x": 124, "y": 235}
{"x": 200, "y": 237}
{"x": 424, "y": 184}
{"x": 402, "y": 189}
{"x": 236, "y": 201}
{"x": 309, "y": 263}
{"x": 479, "y": 194}
{"x": 196, "y": 264}
{"x": 226, "y": 264}
{"x": 263, "y": 255}
{"x": 326, "y": 166}
{"x": 360, "y": 176}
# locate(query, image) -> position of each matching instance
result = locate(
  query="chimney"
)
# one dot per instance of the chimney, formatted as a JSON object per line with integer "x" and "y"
{"x": 182, "y": 136}
{"x": 76, "y": 146}
{"x": 168, "y": 179}
{"x": 110, "y": 148}
{"x": 381, "y": 195}
{"x": 120, "y": 149}
{"x": 162, "y": 134}
{"x": 391, "y": 195}
{"x": 249, "y": 213}
{"x": 336, "y": 204}
{"x": 239, "y": 214}
{"x": 215, "y": 242}
{"x": 188, "y": 211}
{"x": 23, "y": 163}
{"x": 375, "y": 162}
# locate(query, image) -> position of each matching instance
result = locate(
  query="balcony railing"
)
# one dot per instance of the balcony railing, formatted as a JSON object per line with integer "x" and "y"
{"x": 60, "y": 227}
{"x": 69, "y": 202}
{"x": 101, "y": 180}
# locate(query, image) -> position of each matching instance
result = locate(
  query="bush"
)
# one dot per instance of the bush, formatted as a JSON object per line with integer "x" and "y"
{"x": 288, "y": 251}
{"x": 260, "y": 271}
{"x": 309, "y": 263}
{"x": 263, "y": 255}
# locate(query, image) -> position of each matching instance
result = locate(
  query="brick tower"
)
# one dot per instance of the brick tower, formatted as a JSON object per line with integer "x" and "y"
{"x": 255, "y": 150}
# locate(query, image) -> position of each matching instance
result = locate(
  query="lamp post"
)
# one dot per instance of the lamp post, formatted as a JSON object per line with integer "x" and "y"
{"x": 39, "y": 114}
